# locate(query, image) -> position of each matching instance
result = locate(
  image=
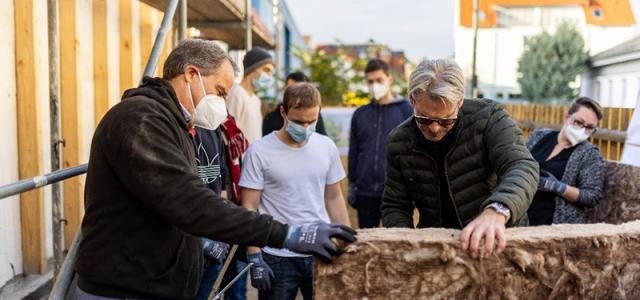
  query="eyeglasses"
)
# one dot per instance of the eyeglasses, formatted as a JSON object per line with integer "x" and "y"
{"x": 590, "y": 129}
{"x": 426, "y": 121}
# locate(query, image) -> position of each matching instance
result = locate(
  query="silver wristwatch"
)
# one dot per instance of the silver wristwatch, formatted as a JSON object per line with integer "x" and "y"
{"x": 501, "y": 209}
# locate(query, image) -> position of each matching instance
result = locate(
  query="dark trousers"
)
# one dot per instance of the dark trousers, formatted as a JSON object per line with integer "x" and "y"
{"x": 368, "y": 211}
{"x": 291, "y": 274}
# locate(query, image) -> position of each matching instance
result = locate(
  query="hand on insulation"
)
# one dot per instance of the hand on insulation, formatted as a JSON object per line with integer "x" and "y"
{"x": 488, "y": 227}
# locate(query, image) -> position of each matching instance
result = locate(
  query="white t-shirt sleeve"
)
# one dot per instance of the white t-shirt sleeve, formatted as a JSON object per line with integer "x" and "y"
{"x": 336, "y": 170}
{"x": 252, "y": 175}
{"x": 235, "y": 104}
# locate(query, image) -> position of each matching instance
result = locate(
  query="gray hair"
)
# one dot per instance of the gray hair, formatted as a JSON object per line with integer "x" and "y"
{"x": 205, "y": 55}
{"x": 440, "y": 79}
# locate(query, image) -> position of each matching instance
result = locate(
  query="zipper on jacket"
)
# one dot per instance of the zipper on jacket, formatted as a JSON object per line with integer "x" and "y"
{"x": 455, "y": 208}
{"x": 435, "y": 163}
{"x": 378, "y": 130}
{"x": 446, "y": 176}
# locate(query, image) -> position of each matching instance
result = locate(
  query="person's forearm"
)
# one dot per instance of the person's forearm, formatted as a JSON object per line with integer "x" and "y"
{"x": 337, "y": 211}
{"x": 252, "y": 250}
{"x": 571, "y": 194}
{"x": 250, "y": 205}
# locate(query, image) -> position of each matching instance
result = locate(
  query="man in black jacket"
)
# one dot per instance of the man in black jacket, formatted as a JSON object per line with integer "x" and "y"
{"x": 461, "y": 163}
{"x": 145, "y": 207}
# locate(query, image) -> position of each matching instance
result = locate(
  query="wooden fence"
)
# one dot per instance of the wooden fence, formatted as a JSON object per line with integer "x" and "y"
{"x": 609, "y": 138}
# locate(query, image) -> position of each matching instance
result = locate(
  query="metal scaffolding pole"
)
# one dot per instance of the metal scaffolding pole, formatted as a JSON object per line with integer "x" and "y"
{"x": 279, "y": 70}
{"x": 160, "y": 38}
{"x": 56, "y": 141}
{"x": 182, "y": 20}
{"x": 248, "y": 25}
{"x": 67, "y": 272}
{"x": 474, "y": 76}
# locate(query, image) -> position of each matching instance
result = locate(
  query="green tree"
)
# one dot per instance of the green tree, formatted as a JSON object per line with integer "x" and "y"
{"x": 550, "y": 64}
{"x": 329, "y": 72}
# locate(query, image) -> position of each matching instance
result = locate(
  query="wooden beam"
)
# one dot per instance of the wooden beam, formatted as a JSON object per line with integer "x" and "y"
{"x": 218, "y": 24}
{"x": 602, "y": 133}
{"x": 129, "y": 45}
{"x": 27, "y": 29}
{"x": 101, "y": 67}
{"x": 106, "y": 56}
{"x": 148, "y": 29}
{"x": 71, "y": 114}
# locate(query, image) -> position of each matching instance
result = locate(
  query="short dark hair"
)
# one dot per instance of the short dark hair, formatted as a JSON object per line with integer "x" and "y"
{"x": 376, "y": 64}
{"x": 298, "y": 76}
{"x": 301, "y": 95}
{"x": 587, "y": 103}
{"x": 205, "y": 55}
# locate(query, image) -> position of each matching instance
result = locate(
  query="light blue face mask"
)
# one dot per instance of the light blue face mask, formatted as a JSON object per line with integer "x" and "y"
{"x": 298, "y": 133}
{"x": 264, "y": 82}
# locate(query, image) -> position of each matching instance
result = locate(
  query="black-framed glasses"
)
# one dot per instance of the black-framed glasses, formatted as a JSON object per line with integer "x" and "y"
{"x": 590, "y": 129}
{"x": 426, "y": 121}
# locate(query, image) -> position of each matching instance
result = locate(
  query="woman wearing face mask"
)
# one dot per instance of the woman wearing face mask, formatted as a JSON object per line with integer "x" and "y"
{"x": 571, "y": 168}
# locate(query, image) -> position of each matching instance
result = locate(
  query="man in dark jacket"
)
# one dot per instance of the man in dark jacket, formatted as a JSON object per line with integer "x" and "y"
{"x": 462, "y": 163}
{"x": 370, "y": 126}
{"x": 145, "y": 207}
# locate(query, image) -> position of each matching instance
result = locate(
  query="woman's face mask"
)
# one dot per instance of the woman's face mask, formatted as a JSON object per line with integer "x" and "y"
{"x": 574, "y": 133}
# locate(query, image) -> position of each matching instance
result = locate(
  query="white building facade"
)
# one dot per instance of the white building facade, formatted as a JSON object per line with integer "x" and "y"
{"x": 499, "y": 48}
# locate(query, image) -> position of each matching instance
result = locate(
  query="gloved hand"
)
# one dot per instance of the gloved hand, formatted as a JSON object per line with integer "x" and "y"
{"x": 315, "y": 238}
{"x": 549, "y": 183}
{"x": 261, "y": 273}
{"x": 214, "y": 250}
{"x": 351, "y": 195}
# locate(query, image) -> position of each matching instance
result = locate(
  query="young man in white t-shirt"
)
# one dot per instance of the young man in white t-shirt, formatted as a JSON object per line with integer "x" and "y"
{"x": 293, "y": 175}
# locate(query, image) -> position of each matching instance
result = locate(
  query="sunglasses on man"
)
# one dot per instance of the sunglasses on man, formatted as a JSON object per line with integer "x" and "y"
{"x": 426, "y": 121}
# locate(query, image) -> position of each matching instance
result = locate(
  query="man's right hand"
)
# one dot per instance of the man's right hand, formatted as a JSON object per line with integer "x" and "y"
{"x": 261, "y": 273}
{"x": 315, "y": 238}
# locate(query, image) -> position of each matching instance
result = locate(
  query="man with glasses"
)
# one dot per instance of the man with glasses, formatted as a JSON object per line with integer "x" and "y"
{"x": 571, "y": 168}
{"x": 461, "y": 163}
{"x": 370, "y": 126}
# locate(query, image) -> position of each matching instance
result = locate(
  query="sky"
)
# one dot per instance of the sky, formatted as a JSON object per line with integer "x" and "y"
{"x": 422, "y": 28}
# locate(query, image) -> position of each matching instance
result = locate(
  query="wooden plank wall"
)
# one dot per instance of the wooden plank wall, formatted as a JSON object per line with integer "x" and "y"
{"x": 31, "y": 60}
{"x": 104, "y": 46}
{"x": 10, "y": 247}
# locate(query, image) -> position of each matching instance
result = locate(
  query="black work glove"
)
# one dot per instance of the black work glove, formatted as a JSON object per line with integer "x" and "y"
{"x": 214, "y": 250}
{"x": 261, "y": 273}
{"x": 315, "y": 238}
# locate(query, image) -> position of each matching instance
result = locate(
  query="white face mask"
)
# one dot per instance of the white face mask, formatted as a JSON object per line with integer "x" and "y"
{"x": 378, "y": 91}
{"x": 575, "y": 135}
{"x": 211, "y": 110}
